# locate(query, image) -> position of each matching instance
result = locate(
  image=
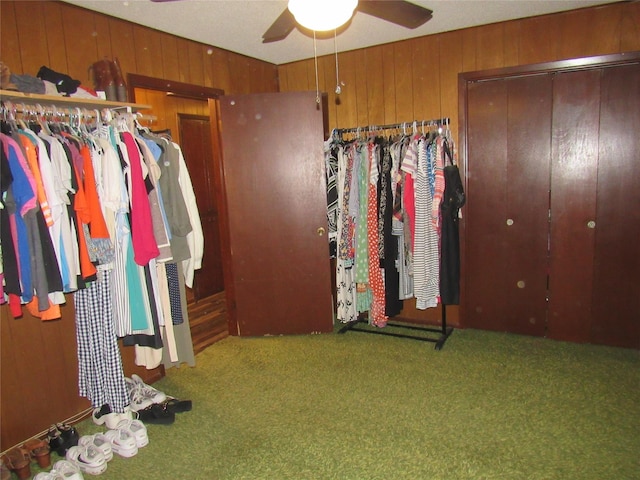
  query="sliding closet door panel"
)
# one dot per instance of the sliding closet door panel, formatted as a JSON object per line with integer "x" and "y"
{"x": 616, "y": 292}
{"x": 507, "y": 214}
{"x": 273, "y": 164}
{"x": 485, "y": 210}
{"x": 576, "y": 112}
{"x": 527, "y": 220}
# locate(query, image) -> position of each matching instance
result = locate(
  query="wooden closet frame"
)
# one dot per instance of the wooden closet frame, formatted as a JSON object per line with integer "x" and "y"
{"x": 466, "y": 78}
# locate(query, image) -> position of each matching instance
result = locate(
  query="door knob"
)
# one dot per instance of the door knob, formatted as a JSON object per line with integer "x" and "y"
{"x": 320, "y": 231}
{"x": 509, "y": 221}
{"x": 591, "y": 224}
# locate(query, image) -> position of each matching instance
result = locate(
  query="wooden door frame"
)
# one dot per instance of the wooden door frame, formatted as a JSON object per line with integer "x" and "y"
{"x": 219, "y": 185}
{"x": 179, "y": 89}
{"x": 466, "y": 78}
{"x": 215, "y": 180}
{"x": 211, "y": 95}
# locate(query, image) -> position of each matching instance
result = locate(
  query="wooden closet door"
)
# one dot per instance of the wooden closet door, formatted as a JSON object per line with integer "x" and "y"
{"x": 507, "y": 215}
{"x": 576, "y": 123}
{"x": 274, "y": 179}
{"x": 485, "y": 210}
{"x": 616, "y": 289}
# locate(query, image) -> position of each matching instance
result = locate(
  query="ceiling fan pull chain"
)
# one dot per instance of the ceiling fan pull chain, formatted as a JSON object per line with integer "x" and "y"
{"x": 335, "y": 47}
{"x": 315, "y": 59}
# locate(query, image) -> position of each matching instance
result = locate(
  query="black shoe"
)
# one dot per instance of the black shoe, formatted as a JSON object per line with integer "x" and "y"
{"x": 69, "y": 435}
{"x": 178, "y": 406}
{"x": 56, "y": 442}
{"x": 157, "y": 415}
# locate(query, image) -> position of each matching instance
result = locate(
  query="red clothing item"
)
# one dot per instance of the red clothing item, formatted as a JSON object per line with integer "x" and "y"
{"x": 15, "y": 306}
{"x": 145, "y": 247}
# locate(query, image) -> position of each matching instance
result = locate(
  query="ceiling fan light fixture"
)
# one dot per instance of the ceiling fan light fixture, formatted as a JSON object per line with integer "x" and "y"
{"x": 322, "y": 15}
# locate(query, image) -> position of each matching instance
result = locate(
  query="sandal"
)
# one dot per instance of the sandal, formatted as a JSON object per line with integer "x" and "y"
{"x": 19, "y": 461}
{"x": 5, "y": 473}
{"x": 39, "y": 450}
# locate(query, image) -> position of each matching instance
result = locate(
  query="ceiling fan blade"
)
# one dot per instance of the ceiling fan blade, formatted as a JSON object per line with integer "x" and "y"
{"x": 282, "y": 27}
{"x": 399, "y": 12}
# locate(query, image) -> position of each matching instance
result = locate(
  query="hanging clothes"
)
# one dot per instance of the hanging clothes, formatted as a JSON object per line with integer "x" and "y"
{"x": 84, "y": 213}
{"x": 453, "y": 200}
{"x": 397, "y": 202}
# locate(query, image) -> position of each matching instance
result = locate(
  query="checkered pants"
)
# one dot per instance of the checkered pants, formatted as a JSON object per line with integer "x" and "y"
{"x": 100, "y": 375}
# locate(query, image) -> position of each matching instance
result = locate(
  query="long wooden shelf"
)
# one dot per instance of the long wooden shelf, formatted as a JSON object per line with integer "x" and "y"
{"x": 64, "y": 102}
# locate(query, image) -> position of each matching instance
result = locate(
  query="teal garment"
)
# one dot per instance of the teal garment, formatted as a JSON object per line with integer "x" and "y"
{"x": 363, "y": 298}
{"x": 135, "y": 290}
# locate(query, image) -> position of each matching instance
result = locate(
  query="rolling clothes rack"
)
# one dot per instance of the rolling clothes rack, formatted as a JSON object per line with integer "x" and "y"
{"x": 425, "y": 332}
{"x": 443, "y": 331}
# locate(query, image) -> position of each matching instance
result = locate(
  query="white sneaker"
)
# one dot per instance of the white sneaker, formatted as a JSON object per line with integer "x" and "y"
{"x": 138, "y": 429}
{"x": 141, "y": 394}
{"x": 67, "y": 470}
{"x": 104, "y": 416}
{"x": 52, "y": 475}
{"x": 89, "y": 459}
{"x": 122, "y": 442}
{"x": 100, "y": 441}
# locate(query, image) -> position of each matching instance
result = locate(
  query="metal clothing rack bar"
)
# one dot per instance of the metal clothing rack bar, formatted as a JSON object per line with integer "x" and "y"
{"x": 392, "y": 126}
{"x": 443, "y": 332}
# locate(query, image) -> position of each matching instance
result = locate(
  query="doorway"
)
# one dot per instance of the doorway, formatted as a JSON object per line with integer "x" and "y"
{"x": 195, "y": 135}
{"x": 182, "y": 111}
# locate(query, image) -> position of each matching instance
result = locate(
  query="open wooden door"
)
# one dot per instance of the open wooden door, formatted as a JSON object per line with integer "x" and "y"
{"x": 273, "y": 183}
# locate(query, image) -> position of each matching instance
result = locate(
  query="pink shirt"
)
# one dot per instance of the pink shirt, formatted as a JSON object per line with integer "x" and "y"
{"x": 144, "y": 242}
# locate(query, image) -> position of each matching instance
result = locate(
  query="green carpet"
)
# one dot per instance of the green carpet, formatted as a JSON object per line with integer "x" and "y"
{"x": 361, "y": 406}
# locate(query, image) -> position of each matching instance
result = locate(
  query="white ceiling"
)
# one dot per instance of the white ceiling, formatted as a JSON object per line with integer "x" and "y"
{"x": 238, "y": 25}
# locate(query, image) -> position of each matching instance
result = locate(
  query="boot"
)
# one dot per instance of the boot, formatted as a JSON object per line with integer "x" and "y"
{"x": 5, "y": 78}
{"x": 103, "y": 79}
{"x": 118, "y": 78}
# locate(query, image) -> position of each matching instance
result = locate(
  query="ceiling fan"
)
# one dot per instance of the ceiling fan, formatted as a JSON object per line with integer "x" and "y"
{"x": 400, "y": 12}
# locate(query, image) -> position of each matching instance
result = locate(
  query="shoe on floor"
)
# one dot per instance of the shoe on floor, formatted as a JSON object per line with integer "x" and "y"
{"x": 56, "y": 442}
{"x": 99, "y": 440}
{"x": 52, "y": 475}
{"x": 104, "y": 416}
{"x": 139, "y": 431}
{"x": 68, "y": 470}
{"x": 69, "y": 434}
{"x": 89, "y": 459}
{"x": 141, "y": 394}
{"x": 18, "y": 460}
{"x": 178, "y": 406}
{"x": 122, "y": 442}
{"x": 156, "y": 415}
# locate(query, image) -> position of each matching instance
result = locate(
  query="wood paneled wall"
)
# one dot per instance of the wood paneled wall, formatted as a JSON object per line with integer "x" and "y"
{"x": 69, "y": 39}
{"x": 414, "y": 79}
{"x": 417, "y": 79}
{"x": 39, "y": 367}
